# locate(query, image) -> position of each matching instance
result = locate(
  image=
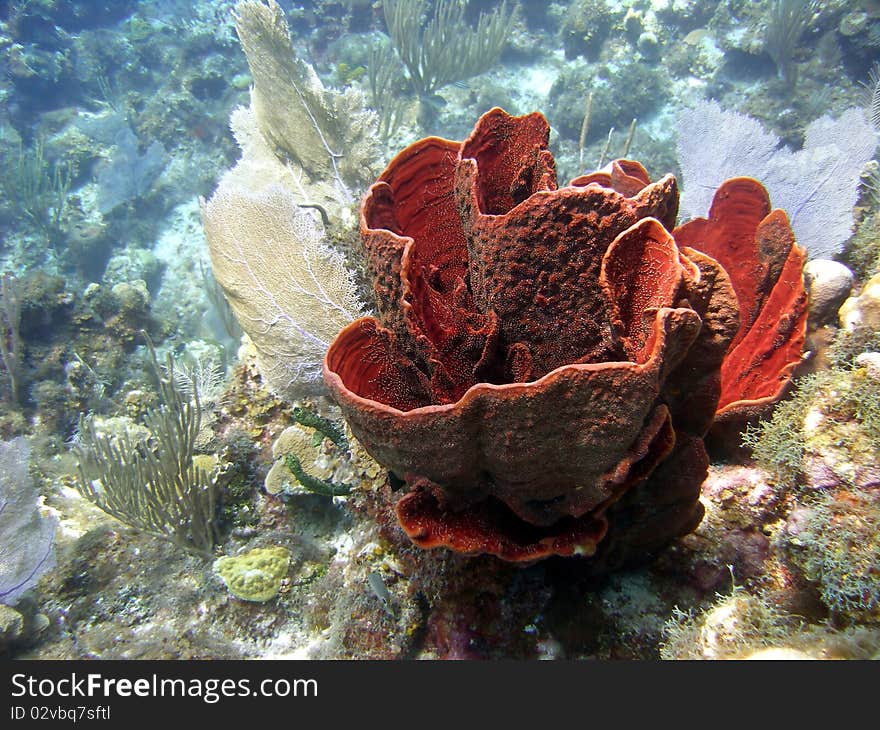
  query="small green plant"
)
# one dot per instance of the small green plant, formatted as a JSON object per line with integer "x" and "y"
{"x": 733, "y": 626}
{"x": 849, "y": 344}
{"x": 862, "y": 252}
{"x": 300, "y": 450}
{"x": 778, "y": 443}
{"x": 325, "y": 487}
{"x": 347, "y": 74}
{"x": 841, "y": 396}
{"x": 325, "y": 426}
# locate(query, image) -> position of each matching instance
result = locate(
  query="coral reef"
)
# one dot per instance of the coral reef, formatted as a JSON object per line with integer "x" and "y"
{"x": 113, "y": 121}
{"x": 630, "y": 79}
{"x": 735, "y": 626}
{"x": 586, "y": 26}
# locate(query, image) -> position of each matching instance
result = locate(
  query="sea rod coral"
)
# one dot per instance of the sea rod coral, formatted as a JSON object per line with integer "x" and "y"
{"x": 546, "y": 360}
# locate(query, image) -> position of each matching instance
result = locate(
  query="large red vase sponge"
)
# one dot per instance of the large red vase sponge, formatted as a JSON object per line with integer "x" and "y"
{"x": 546, "y": 361}
{"x": 756, "y": 247}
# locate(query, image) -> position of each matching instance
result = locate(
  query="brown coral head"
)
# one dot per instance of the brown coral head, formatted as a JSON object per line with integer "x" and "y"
{"x": 545, "y": 360}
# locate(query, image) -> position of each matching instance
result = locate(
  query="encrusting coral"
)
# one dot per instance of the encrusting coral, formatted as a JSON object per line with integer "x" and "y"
{"x": 255, "y": 575}
{"x": 547, "y": 360}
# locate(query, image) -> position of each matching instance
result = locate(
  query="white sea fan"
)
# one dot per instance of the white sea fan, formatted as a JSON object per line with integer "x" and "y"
{"x": 290, "y": 292}
{"x": 27, "y": 537}
{"x": 816, "y": 186}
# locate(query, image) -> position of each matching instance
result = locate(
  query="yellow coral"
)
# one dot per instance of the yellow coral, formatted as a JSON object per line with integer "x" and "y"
{"x": 255, "y": 575}
{"x": 863, "y": 310}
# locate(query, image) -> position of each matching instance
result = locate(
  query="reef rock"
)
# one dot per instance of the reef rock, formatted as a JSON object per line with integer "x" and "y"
{"x": 546, "y": 361}
{"x": 829, "y": 283}
{"x": 863, "y": 310}
{"x": 11, "y": 627}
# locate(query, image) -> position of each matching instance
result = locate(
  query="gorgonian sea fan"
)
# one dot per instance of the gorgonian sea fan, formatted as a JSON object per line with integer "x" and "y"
{"x": 27, "y": 538}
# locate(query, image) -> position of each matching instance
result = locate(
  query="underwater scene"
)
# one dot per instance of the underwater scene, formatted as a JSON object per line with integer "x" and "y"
{"x": 439, "y": 329}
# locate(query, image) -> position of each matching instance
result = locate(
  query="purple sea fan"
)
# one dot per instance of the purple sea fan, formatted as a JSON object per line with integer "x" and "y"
{"x": 27, "y": 537}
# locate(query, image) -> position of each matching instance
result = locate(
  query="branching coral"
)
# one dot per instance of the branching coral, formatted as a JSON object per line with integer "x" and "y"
{"x": 447, "y": 49}
{"x": 10, "y": 337}
{"x": 872, "y": 95}
{"x": 747, "y": 625}
{"x": 786, "y": 23}
{"x": 39, "y": 189}
{"x": 828, "y": 433}
{"x": 849, "y": 344}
